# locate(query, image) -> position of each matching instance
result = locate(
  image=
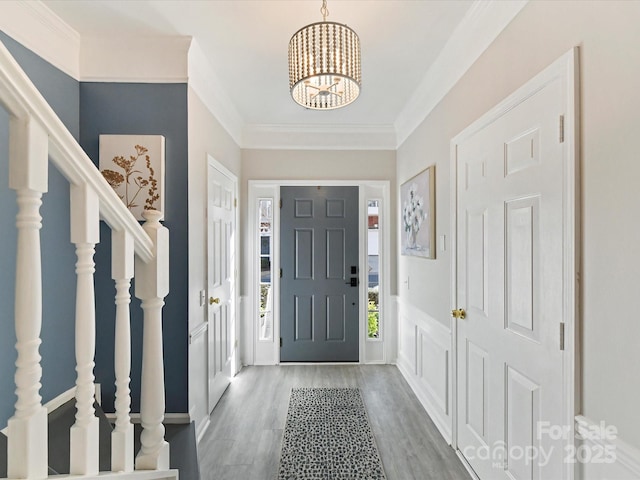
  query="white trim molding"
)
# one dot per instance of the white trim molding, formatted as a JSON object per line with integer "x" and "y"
{"x": 320, "y": 137}
{"x": 267, "y": 352}
{"x": 56, "y": 403}
{"x": 205, "y": 83}
{"x": 427, "y": 368}
{"x": 169, "y": 418}
{"x": 117, "y": 59}
{"x": 601, "y": 455}
{"x": 23, "y": 99}
{"x": 178, "y": 59}
{"x": 40, "y": 30}
{"x": 484, "y": 21}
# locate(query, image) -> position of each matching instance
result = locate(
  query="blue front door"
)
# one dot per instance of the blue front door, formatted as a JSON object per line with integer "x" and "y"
{"x": 319, "y": 285}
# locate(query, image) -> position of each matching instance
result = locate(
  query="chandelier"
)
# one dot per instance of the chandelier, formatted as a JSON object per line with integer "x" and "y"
{"x": 324, "y": 64}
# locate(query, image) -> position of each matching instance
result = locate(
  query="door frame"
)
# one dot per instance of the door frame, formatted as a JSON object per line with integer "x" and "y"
{"x": 258, "y": 352}
{"x": 567, "y": 69}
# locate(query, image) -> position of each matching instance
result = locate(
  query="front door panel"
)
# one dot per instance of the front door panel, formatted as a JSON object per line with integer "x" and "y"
{"x": 319, "y": 252}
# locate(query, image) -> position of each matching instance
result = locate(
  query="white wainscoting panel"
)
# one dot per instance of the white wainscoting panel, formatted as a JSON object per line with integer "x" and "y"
{"x": 433, "y": 368}
{"x": 245, "y": 332}
{"x": 601, "y": 455}
{"x": 391, "y": 330}
{"x": 406, "y": 344}
{"x": 199, "y": 377}
{"x": 424, "y": 358}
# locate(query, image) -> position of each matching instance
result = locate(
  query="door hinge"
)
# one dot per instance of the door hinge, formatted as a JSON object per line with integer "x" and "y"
{"x": 280, "y": 203}
{"x": 280, "y": 342}
{"x": 280, "y": 273}
{"x": 561, "y": 133}
{"x": 235, "y": 202}
{"x": 561, "y": 335}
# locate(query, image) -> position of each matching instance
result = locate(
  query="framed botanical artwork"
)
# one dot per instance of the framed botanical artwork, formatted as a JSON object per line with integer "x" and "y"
{"x": 134, "y": 167}
{"x": 417, "y": 203}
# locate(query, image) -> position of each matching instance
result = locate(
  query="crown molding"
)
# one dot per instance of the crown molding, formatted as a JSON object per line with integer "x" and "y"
{"x": 40, "y": 30}
{"x": 180, "y": 60}
{"x": 484, "y": 21}
{"x": 319, "y": 137}
{"x": 205, "y": 83}
{"x": 159, "y": 59}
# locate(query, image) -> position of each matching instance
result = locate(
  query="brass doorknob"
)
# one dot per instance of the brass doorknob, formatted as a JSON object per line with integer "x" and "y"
{"x": 213, "y": 300}
{"x": 459, "y": 313}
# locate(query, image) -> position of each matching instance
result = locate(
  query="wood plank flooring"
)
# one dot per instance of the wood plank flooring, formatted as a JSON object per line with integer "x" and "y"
{"x": 243, "y": 440}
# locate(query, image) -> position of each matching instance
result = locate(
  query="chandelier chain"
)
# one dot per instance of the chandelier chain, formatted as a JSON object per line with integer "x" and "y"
{"x": 324, "y": 10}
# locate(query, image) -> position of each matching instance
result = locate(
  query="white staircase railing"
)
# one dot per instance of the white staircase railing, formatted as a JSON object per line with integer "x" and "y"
{"x": 37, "y": 134}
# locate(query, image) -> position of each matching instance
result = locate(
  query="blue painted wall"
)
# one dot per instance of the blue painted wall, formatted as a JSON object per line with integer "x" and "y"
{"x": 58, "y": 255}
{"x": 88, "y": 110}
{"x": 146, "y": 109}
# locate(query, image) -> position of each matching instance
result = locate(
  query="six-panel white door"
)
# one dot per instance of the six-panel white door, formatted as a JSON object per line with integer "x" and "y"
{"x": 220, "y": 272}
{"x": 509, "y": 281}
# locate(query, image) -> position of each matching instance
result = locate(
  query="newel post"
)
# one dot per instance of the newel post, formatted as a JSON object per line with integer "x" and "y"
{"x": 27, "y": 429}
{"x": 152, "y": 285}
{"x": 122, "y": 261}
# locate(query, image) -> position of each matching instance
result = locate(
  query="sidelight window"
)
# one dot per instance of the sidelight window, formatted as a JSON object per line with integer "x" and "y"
{"x": 265, "y": 268}
{"x": 373, "y": 277}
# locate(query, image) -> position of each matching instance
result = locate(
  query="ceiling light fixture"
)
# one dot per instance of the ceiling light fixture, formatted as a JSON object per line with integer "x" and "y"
{"x": 324, "y": 64}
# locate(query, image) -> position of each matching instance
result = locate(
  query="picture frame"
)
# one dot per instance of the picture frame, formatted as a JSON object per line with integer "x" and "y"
{"x": 417, "y": 215}
{"x": 134, "y": 166}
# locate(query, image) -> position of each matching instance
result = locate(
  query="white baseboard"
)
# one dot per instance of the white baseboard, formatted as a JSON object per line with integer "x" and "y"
{"x": 135, "y": 475}
{"x": 60, "y": 400}
{"x": 203, "y": 429}
{"x": 53, "y": 404}
{"x": 63, "y": 398}
{"x": 169, "y": 418}
{"x": 294, "y": 364}
{"x": 606, "y": 456}
{"x": 473, "y": 475}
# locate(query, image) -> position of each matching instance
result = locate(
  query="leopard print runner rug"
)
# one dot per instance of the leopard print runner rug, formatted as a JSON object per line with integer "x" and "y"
{"x": 328, "y": 437}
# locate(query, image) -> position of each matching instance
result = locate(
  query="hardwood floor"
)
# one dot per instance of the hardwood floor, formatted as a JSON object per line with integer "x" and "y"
{"x": 243, "y": 440}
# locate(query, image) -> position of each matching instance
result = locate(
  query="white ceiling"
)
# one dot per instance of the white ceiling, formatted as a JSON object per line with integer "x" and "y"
{"x": 246, "y": 44}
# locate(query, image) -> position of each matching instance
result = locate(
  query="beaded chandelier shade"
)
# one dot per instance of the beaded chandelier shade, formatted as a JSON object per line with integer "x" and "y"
{"x": 324, "y": 65}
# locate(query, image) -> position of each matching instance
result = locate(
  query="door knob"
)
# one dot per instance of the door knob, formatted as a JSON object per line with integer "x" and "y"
{"x": 213, "y": 300}
{"x": 459, "y": 313}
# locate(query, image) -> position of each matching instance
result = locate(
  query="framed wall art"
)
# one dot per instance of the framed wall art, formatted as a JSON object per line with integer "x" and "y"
{"x": 134, "y": 167}
{"x": 417, "y": 215}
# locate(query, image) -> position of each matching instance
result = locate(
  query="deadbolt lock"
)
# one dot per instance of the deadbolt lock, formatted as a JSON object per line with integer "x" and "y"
{"x": 459, "y": 313}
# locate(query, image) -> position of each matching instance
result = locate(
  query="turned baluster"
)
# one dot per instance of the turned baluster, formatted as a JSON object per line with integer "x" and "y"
{"x": 85, "y": 234}
{"x": 122, "y": 261}
{"x": 27, "y": 429}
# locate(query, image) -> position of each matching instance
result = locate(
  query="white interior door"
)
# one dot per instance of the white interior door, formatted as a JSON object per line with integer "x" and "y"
{"x": 511, "y": 180}
{"x": 221, "y": 259}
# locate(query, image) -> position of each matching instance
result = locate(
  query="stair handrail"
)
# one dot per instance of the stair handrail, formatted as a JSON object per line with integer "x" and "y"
{"x": 38, "y": 136}
{"x": 22, "y": 100}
